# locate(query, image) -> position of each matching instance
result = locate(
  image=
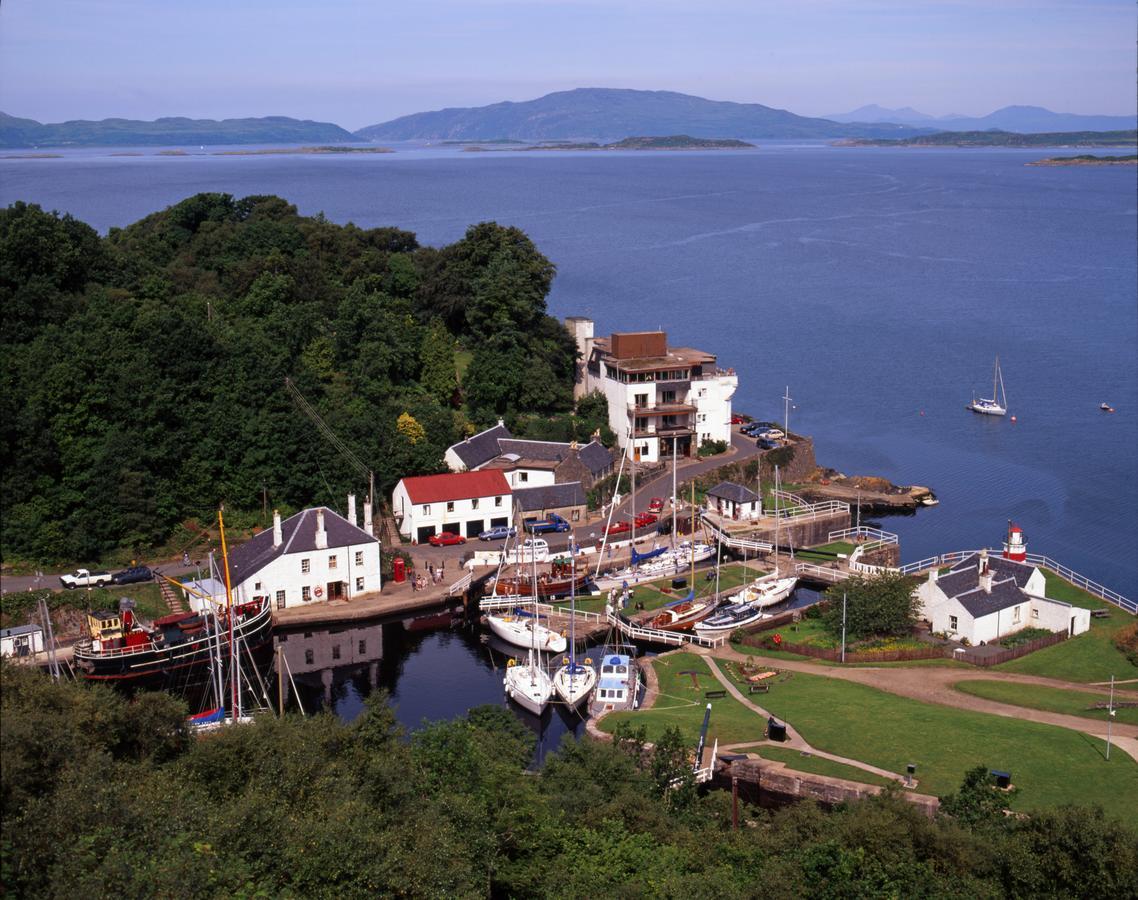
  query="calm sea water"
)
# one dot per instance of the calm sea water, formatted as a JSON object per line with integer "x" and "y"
{"x": 878, "y": 284}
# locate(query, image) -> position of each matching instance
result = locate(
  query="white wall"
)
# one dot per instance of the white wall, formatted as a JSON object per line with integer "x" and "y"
{"x": 533, "y": 478}
{"x": 33, "y": 640}
{"x": 286, "y": 574}
{"x": 440, "y": 518}
{"x": 453, "y": 462}
{"x": 712, "y": 398}
{"x": 1055, "y": 615}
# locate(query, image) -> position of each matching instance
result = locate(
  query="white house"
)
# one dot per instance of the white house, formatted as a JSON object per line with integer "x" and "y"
{"x": 22, "y": 640}
{"x": 527, "y": 463}
{"x": 671, "y": 399}
{"x": 983, "y": 598}
{"x": 465, "y": 503}
{"x": 733, "y": 501}
{"x": 312, "y": 556}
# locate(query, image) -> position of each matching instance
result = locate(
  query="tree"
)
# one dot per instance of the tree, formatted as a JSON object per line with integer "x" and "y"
{"x": 436, "y": 356}
{"x": 977, "y": 802}
{"x": 883, "y": 605}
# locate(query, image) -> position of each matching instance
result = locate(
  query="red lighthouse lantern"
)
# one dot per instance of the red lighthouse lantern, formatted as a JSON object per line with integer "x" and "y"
{"x": 1015, "y": 547}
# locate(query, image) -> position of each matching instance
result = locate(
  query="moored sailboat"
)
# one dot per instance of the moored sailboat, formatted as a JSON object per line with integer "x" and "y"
{"x": 528, "y": 684}
{"x": 997, "y": 405}
{"x": 574, "y": 681}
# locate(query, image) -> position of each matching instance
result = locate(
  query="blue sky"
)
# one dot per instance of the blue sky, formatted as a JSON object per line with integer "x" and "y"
{"x": 358, "y": 62}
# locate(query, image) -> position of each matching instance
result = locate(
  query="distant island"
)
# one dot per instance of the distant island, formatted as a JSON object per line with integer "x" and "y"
{"x": 669, "y": 142}
{"x": 15, "y": 132}
{"x": 1086, "y": 160}
{"x": 600, "y": 115}
{"x": 275, "y": 151}
{"x": 1002, "y": 139}
{"x": 1021, "y": 119}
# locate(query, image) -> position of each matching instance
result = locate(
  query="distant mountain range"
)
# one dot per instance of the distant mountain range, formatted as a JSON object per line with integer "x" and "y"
{"x": 606, "y": 114}
{"x": 584, "y": 114}
{"x": 1023, "y": 119}
{"x": 166, "y": 132}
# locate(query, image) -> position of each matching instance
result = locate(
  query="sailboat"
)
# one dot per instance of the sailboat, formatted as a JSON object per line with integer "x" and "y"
{"x": 519, "y": 627}
{"x": 573, "y": 682}
{"x": 768, "y": 590}
{"x": 529, "y": 684}
{"x": 998, "y": 404}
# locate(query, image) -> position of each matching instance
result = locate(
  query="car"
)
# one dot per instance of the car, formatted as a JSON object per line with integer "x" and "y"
{"x": 497, "y": 533}
{"x": 764, "y": 444}
{"x": 85, "y": 578}
{"x": 618, "y": 528}
{"x": 752, "y": 429}
{"x": 773, "y": 434}
{"x": 656, "y": 504}
{"x": 132, "y": 575}
{"x": 761, "y": 426}
{"x": 445, "y": 539}
{"x": 645, "y": 518}
{"x": 737, "y": 419}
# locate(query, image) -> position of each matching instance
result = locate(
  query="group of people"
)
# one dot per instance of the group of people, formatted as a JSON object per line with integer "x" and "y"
{"x": 420, "y": 581}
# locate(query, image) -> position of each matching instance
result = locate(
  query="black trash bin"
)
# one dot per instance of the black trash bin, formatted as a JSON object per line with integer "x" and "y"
{"x": 679, "y": 582}
{"x": 776, "y": 731}
{"x": 1003, "y": 779}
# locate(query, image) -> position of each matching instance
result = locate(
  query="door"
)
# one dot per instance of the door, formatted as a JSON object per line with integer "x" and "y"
{"x": 425, "y": 533}
{"x": 335, "y": 590}
{"x": 474, "y": 527}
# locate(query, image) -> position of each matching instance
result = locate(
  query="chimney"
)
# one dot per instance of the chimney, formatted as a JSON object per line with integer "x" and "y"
{"x": 501, "y": 423}
{"x": 369, "y": 526}
{"x": 933, "y": 573}
{"x": 352, "y": 509}
{"x": 321, "y": 534}
{"x": 278, "y": 534}
{"x": 985, "y": 573}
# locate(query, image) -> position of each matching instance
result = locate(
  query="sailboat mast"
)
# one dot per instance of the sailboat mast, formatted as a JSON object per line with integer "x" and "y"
{"x": 776, "y": 521}
{"x": 534, "y": 623}
{"x": 229, "y": 611}
{"x": 995, "y": 376}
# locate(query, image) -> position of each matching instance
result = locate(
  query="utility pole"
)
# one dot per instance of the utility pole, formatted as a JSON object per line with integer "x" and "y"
{"x": 1109, "y": 717}
{"x": 843, "y": 626}
{"x": 734, "y": 802}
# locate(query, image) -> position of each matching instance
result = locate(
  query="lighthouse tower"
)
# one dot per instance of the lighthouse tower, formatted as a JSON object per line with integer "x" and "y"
{"x": 1015, "y": 547}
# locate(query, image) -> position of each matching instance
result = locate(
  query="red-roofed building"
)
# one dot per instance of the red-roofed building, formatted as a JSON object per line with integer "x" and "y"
{"x": 465, "y": 503}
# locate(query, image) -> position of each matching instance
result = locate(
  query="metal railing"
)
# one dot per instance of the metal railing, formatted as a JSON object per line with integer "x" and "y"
{"x": 803, "y": 510}
{"x": 490, "y": 604}
{"x": 656, "y": 636}
{"x": 877, "y": 537}
{"x": 820, "y": 572}
{"x": 737, "y": 543}
{"x": 1035, "y": 559}
{"x": 461, "y": 585}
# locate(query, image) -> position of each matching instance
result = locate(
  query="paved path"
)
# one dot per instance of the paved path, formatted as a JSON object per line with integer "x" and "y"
{"x": 931, "y": 684}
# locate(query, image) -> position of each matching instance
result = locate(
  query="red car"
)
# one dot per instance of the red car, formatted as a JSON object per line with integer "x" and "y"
{"x": 737, "y": 420}
{"x": 656, "y": 505}
{"x": 445, "y": 539}
{"x": 617, "y": 528}
{"x": 645, "y": 518}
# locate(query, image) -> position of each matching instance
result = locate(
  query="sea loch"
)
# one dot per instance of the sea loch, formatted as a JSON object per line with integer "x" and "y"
{"x": 878, "y": 284}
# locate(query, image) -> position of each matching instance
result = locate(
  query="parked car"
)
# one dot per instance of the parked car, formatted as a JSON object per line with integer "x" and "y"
{"x": 132, "y": 575}
{"x": 656, "y": 504}
{"x": 738, "y": 419}
{"x": 617, "y": 528}
{"x": 85, "y": 578}
{"x": 645, "y": 518}
{"x": 535, "y": 549}
{"x": 773, "y": 434}
{"x": 764, "y": 444}
{"x": 445, "y": 539}
{"x": 497, "y": 533}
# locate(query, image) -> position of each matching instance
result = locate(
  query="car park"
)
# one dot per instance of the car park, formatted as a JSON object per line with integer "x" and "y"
{"x": 133, "y": 575}
{"x": 497, "y": 533}
{"x": 445, "y": 539}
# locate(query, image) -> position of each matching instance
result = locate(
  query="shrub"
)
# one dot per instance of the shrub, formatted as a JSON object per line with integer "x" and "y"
{"x": 712, "y": 448}
{"x": 1127, "y": 642}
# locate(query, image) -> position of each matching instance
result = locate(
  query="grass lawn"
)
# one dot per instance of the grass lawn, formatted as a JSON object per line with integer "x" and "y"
{"x": 835, "y": 547}
{"x": 1034, "y": 696}
{"x": 815, "y": 764}
{"x": 1087, "y": 658}
{"x": 732, "y": 576}
{"x": 681, "y": 703}
{"x": 1050, "y": 765}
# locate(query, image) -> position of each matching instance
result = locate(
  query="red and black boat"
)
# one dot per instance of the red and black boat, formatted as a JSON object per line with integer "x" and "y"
{"x": 559, "y": 581}
{"x": 173, "y": 649}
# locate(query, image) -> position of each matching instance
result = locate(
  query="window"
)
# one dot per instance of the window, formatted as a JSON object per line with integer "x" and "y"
{"x": 280, "y": 599}
{"x": 305, "y": 566}
{"x": 523, "y": 476}
{"x": 256, "y": 585}
{"x": 359, "y": 557}
{"x": 1034, "y": 613}
{"x": 332, "y": 561}
{"x": 426, "y": 509}
{"x": 306, "y": 593}
{"x": 576, "y": 515}
{"x": 359, "y": 582}
{"x": 474, "y": 503}
{"x": 1015, "y": 614}
{"x": 952, "y": 623}
{"x": 335, "y": 651}
{"x": 308, "y": 657}
{"x": 497, "y": 501}
{"x": 363, "y": 647}
{"x": 450, "y": 506}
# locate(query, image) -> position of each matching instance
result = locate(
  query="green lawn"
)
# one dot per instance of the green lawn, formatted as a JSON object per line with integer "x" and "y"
{"x": 650, "y": 594}
{"x": 835, "y": 547}
{"x": 794, "y": 759}
{"x": 1050, "y": 765}
{"x": 1034, "y": 696}
{"x": 682, "y": 703}
{"x": 1090, "y": 657}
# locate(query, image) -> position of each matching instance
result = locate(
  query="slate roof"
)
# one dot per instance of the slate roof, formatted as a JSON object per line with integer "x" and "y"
{"x": 736, "y": 493}
{"x": 17, "y": 630}
{"x": 482, "y": 447}
{"x": 1009, "y": 578}
{"x": 456, "y": 486}
{"x": 596, "y": 456}
{"x": 550, "y": 496}
{"x": 299, "y": 536}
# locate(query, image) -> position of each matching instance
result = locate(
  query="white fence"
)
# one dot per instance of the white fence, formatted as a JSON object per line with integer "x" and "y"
{"x": 737, "y": 543}
{"x": 1036, "y": 559}
{"x": 827, "y": 509}
{"x": 820, "y": 572}
{"x": 874, "y": 537}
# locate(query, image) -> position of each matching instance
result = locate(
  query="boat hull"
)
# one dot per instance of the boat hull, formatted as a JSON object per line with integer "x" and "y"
{"x": 994, "y": 410}
{"x": 574, "y": 687}
{"x": 529, "y": 686}
{"x": 681, "y": 619}
{"x": 710, "y": 626}
{"x": 523, "y": 631}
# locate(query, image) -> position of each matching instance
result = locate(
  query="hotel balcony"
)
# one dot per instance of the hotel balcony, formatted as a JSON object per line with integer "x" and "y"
{"x": 661, "y": 409}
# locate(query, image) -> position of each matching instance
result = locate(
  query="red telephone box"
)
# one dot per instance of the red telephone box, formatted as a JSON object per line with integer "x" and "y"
{"x": 399, "y": 570}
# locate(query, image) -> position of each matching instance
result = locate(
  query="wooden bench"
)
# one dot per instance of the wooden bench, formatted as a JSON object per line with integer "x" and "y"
{"x": 714, "y": 695}
{"x": 759, "y": 689}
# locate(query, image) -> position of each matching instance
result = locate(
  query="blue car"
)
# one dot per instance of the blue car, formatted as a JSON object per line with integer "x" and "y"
{"x": 497, "y": 533}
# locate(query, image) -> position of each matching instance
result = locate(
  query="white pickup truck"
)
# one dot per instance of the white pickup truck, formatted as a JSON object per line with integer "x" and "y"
{"x": 85, "y": 578}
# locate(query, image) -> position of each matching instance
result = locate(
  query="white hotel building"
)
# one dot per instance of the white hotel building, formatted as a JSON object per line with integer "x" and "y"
{"x": 667, "y": 397}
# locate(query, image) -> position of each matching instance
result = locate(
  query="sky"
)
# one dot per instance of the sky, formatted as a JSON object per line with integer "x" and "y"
{"x": 359, "y": 62}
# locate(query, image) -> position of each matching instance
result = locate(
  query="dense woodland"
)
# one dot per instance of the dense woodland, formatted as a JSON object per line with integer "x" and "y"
{"x": 143, "y": 372}
{"x": 107, "y": 797}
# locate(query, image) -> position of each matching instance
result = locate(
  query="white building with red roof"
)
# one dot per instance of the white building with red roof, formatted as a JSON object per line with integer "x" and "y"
{"x": 464, "y": 503}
